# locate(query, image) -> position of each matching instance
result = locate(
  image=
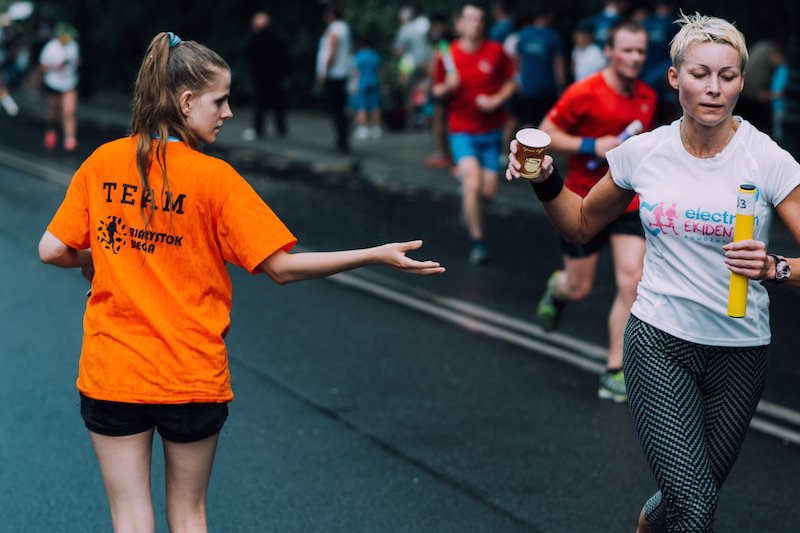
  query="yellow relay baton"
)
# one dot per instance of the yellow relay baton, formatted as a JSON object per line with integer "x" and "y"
{"x": 742, "y": 231}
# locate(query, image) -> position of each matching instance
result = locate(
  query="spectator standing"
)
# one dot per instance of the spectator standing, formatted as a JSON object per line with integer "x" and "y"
{"x": 661, "y": 28}
{"x": 754, "y": 104}
{"x": 412, "y": 47}
{"x": 603, "y": 21}
{"x": 59, "y": 62}
{"x": 268, "y": 60}
{"x": 503, "y": 24}
{"x": 367, "y": 98}
{"x": 540, "y": 63}
{"x": 439, "y": 37}
{"x": 585, "y": 124}
{"x": 477, "y": 77}
{"x": 6, "y": 100}
{"x": 780, "y": 79}
{"x": 587, "y": 57}
{"x": 334, "y": 61}
{"x": 154, "y": 356}
{"x": 695, "y": 374}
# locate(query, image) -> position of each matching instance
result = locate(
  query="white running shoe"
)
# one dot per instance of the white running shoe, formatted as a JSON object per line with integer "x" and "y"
{"x": 249, "y": 135}
{"x": 9, "y": 105}
{"x": 361, "y": 133}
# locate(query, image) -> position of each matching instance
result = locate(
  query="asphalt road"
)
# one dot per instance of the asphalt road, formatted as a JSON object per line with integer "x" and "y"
{"x": 364, "y": 403}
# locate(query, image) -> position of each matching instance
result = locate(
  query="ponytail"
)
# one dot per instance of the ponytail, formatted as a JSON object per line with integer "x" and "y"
{"x": 170, "y": 67}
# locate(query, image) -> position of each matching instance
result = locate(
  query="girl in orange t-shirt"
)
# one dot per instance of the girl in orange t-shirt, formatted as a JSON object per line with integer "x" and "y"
{"x": 152, "y": 222}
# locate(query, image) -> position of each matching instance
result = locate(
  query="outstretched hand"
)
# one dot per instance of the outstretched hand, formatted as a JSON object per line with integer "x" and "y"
{"x": 749, "y": 258}
{"x": 394, "y": 255}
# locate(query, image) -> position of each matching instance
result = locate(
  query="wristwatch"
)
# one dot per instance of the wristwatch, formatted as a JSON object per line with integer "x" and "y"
{"x": 782, "y": 268}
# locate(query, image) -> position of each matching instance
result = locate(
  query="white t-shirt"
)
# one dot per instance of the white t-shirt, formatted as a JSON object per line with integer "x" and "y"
{"x": 687, "y": 208}
{"x": 412, "y": 38}
{"x": 340, "y": 68}
{"x": 63, "y": 62}
{"x": 587, "y": 61}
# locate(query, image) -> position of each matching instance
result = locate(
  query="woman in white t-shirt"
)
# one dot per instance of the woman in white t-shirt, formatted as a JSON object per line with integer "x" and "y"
{"x": 694, "y": 374}
{"x": 59, "y": 63}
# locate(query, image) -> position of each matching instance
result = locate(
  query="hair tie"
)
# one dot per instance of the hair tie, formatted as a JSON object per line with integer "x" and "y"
{"x": 174, "y": 40}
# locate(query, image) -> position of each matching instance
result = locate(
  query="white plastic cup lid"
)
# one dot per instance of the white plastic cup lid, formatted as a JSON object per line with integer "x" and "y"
{"x": 533, "y": 138}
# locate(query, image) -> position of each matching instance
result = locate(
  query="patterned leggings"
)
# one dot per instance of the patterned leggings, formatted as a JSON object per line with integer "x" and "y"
{"x": 691, "y": 406}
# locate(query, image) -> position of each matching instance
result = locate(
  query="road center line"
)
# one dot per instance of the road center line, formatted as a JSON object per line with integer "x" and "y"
{"x": 560, "y": 347}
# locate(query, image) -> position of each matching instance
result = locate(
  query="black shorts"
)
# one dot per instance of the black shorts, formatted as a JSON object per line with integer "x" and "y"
{"x": 185, "y": 422}
{"x": 625, "y": 224}
{"x": 46, "y": 89}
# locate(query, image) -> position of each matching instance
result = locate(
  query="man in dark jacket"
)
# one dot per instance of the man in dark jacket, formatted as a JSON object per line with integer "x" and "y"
{"x": 268, "y": 61}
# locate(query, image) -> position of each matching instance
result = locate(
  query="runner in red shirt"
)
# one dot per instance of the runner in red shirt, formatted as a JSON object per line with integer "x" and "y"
{"x": 477, "y": 76}
{"x": 584, "y": 124}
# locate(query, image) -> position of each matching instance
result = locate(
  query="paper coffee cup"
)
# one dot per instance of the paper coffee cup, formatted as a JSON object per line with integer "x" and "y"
{"x": 532, "y": 144}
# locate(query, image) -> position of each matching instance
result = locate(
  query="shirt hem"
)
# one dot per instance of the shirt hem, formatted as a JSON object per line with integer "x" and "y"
{"x": 171, "y": 400}
{"x": 707, "y": 341}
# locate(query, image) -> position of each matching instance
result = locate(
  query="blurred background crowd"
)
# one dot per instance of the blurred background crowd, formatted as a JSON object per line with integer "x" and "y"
{"x": 405, "y": 37}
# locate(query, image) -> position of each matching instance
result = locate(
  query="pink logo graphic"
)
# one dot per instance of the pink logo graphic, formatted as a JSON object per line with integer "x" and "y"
{"x": 659, "y": 219}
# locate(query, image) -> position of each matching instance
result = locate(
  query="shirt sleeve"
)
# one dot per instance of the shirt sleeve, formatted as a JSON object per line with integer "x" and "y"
{"x": 249, "y": 231}
{"x": 71, "y": 221}
{"x": 508, "y": 65}
{"x": 784, "y": 172}
{"x": 619, "y": 164}
{"x": 568, "y": 111}
{"x": 47, "y": 55}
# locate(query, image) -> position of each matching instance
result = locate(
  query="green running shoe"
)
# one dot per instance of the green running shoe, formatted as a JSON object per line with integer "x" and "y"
{"x": 549, "y": 309}
{"x": 479, "y": 255}
{"x": 612, "y": 387}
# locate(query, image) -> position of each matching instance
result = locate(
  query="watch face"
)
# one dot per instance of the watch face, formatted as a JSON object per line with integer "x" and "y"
{"x": 782, "y": 270}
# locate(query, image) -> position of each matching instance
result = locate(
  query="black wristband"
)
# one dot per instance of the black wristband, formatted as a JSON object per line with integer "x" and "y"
{"x": 550, "y": 188}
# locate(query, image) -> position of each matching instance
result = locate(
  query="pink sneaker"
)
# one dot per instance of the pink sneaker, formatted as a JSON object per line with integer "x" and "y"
{"x": 70, "y": 143}
{"x": 50, "y": 139}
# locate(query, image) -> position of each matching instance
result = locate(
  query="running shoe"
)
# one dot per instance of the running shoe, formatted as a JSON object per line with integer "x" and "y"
{"x": 70, "y": 143}
{"x": 549, "y": 310}
{"x": 437, "y": 160}
{"x": 9, "y": 105}
{"x": 361, "y": 133}
{"x": 50, "y": 139}
{"x": 478, "y": 255}
{"x": 612, "y": 387}
{"x": 249, "y": 135}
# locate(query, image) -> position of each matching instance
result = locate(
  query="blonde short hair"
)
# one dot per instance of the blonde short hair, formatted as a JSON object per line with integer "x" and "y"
{"x": 699, "y": 28}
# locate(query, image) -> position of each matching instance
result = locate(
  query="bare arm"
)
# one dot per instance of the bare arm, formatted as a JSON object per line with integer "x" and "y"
{"x": 490, "y": 102}
{"x": 578, "y": 219}
{"x": 450, "y": 83}
{"x": 570, "y": 145}
{"x": 750, "y": 258}
{"x": 559, "y": 68}
{"x": 54, "y": 252}
{"x": 284, "y": 267}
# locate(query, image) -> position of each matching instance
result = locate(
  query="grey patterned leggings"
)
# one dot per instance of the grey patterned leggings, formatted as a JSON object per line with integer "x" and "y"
{"x": 691, "y": 406}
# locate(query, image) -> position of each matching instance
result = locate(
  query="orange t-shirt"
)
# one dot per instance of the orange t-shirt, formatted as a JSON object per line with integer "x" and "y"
{"x": 155, "y": 323}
